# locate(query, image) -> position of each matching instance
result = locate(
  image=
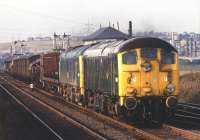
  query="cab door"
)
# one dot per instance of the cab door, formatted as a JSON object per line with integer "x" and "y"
{"x": 128, "y": 74}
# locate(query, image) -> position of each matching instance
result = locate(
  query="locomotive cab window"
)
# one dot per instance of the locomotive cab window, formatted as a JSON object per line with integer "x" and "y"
{"x": 129, "y": 58}
{"x": 149, "y": 53}
{"x": 167, "y": 57}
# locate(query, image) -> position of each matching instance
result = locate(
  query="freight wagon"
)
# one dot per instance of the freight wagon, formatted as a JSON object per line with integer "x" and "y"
{"x": 49, "y": 70}
{"x": 22, "y": 66}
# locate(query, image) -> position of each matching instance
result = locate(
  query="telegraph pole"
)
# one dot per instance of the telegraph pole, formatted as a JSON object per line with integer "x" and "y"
{"x": 11, "y": 49}
{"x": 60, "y": 42}
{"x": 55, "y": 41}
{"x": 18, "y": 48}
{"x": 66, "y": 40}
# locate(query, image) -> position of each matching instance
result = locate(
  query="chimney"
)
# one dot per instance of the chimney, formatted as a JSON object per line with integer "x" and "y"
{"x": 118, "y": 26}
{"x": 54, "y": 41}
{"x": 130, "y": 32}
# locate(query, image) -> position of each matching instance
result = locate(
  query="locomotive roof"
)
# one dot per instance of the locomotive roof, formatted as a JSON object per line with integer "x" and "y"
{"x": 146, "y": 42}
{"x": 104, "y": 48}
{"x": 106, "y": 33}
{"x": 110, "y": 47}
{"x": 75, "y": 52}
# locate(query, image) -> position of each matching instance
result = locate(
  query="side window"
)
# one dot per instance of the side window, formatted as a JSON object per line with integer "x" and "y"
{"x": 167, "y": 57}
{"x": 129, "y": 58}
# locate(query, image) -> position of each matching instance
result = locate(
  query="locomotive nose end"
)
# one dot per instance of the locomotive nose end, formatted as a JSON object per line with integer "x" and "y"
{"x": 171, "y": 102}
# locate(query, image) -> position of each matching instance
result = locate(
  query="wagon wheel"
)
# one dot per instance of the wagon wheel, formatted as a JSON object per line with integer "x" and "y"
{"x": 119, "y": 111}
{"x": 77, "y": 97}
{"x": 85, "y": 99}
{"x": 73, "y": 95}
{"x": 105, "y": 104}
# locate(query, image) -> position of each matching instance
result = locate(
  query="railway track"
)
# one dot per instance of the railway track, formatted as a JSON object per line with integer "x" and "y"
{"x": 76, "y": 123}
{"x": 189, "y": 105}
{"x": 98, "y": 123}
{"x": 188, "y": 108}
{"x": 187, "y": 113}
{"x": 105, "y": 127}
{"x": 31, "y": 112}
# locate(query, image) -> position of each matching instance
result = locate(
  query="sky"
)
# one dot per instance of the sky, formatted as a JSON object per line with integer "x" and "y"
{"x": 22, "y": 18}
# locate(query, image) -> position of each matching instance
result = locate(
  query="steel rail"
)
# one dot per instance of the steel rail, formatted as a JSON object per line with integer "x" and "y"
{"x": 76, "y": 123}
{"x": 32, "y": 113}
{"x": 190, "y": 104}
{"x": 188, "y": 113}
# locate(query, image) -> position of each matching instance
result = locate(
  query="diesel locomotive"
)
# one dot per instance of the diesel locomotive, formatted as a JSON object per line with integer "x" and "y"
{"x": 136, "y": 78}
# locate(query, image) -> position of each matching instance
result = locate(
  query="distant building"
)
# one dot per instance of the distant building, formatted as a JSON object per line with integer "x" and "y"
{"x": 183, "y": 43}
{"x": 106, "y": 33}
{"x": 30, "y": 39}
{"x": 38, "y": 38}
{"x": 47, "y": 38}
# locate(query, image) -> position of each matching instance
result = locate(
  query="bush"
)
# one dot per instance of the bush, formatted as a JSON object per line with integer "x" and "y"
{"x": 190, "y": 88}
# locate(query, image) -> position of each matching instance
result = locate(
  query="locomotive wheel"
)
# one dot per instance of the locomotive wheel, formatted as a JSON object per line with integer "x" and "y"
{"x": 77, "y": 97}
{"x": 67, "y": 96}
{"x": 120, "y": 111}
{"x": 88, "y": 99}
{"x": 61, "y": 91}
{"x": 96, "y": 103}
{"x": 105, "y": 104}
{"x": 111, "y": 109}
{"x": 85, "y": 99}
{"x": 73, "y": 97}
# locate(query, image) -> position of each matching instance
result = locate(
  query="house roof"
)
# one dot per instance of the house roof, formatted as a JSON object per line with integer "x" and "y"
{"x": 106, "y": 33}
